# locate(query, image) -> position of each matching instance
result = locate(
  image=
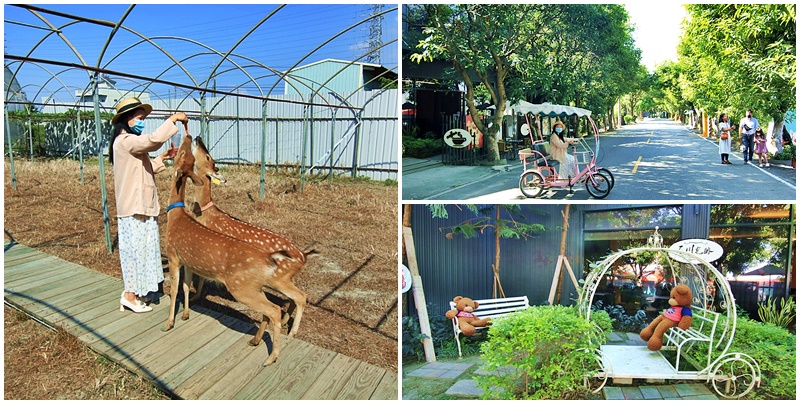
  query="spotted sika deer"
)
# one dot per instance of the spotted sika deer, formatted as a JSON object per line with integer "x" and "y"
{"x": 241, "y": 267}
{"x": 215, "y": 219}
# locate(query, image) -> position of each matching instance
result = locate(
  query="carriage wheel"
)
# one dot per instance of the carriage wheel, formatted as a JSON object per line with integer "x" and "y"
{"x": 598, "y": 377}
{"x": 531, "y": 184}
{"x": 608, "y": 175}
{"x": 598, "y": 185}
{"x": 737, "y": 376}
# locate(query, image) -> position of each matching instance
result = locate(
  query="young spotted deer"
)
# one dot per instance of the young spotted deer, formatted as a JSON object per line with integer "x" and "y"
{"x": 241, "y": 267}
{"x": 211, "y": 216}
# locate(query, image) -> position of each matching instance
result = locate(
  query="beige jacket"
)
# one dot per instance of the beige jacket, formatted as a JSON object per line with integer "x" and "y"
{"x": 134, "y": 172}
{"x": 558, "y": 148}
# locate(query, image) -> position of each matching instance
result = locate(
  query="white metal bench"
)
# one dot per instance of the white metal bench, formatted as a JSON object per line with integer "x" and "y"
{"x": 703, "y": 329}
{"x": 491, "y": 308}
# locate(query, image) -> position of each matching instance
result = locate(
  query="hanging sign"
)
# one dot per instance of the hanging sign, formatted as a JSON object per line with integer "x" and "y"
{"x": 457, "y": 138}
{"x": 706, "y": 249}
{"x": 405, "y": 279}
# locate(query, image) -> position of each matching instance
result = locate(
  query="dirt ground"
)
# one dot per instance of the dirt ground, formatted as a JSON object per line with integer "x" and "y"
{"x": 54, "y": 365}
{"x": 351, "y": 286}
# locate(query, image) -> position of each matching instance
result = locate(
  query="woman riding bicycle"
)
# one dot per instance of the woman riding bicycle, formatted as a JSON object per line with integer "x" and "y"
{"x": 558, "y": 150}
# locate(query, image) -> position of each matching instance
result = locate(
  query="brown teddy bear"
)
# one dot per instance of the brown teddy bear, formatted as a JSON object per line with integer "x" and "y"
{"x": 678, "y": 315}
{"x": 466, "y": 320}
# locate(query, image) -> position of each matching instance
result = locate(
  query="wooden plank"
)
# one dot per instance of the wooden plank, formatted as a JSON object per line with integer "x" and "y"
{"x": 11, "y": 262}
{"x": 332, "y": 380}
{"x": 387, "y": 388}
{"x": 234, "y": 336}
{"x": 302, "y": 376}
{"x": 18, "y": 250}
{"x": 237, "y": 377}
{"x": 103, "y": 294}
{"x": 10, "y": 278}
{"x": 27, "y": 285}
{"x": 363, "y": 382}
{"x": 133, "y": 324}
{"x": 196, "y": 385}
{"x": 197, "y": 349}
{"x": 47, "y": 266}
{"x": 270, "y": 378}
{"x": 103, "y": 314}
{"x": 181, "y": 341}
{"x": 43, "y": 295}
{"x": 42, "y": 305}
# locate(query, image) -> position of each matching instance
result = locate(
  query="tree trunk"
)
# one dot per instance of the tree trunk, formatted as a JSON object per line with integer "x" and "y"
{"x": 562, "y": 250}
{"x": 496, "y": 267}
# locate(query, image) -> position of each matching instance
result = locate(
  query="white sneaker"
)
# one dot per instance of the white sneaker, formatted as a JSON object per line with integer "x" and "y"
{"x": 767, "y": 164}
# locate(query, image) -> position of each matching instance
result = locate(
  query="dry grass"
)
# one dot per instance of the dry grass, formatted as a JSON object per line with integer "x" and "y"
{"x": 57, "y": 366}
{"x": 352, "y": 287}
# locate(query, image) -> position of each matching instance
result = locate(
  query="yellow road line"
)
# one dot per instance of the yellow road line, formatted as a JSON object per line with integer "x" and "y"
{"x": 647, "y": 142}
{"x": 636, "y": 166}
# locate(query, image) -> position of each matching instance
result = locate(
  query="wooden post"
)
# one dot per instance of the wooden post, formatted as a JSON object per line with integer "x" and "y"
{"x": 555, "y": 287}
{"x": 419, "y": 295}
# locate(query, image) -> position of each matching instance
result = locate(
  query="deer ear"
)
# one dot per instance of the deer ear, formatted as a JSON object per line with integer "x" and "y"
{"x": 197, "y": 181}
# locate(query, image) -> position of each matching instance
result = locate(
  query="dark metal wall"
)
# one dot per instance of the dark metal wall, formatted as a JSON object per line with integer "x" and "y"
{"x": 458, "y": 266}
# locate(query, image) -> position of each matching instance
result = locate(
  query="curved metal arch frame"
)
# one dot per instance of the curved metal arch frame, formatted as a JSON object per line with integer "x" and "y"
{"x": 94, "y": 72}
{"x": 329, "y": 40}
{"x": 723, "y": 343}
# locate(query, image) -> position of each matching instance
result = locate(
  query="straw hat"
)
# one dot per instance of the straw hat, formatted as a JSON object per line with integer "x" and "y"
{"x": 558, "y": 122}
{"x": 128, "y": 105}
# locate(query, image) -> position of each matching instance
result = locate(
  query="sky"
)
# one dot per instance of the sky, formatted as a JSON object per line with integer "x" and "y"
{"x": 280, "y": 42}
{"x": 658, "y": 30}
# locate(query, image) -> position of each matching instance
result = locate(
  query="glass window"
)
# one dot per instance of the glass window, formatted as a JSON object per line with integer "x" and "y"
{"x": 640, "y": 218}
{"x": 749, "y": 214}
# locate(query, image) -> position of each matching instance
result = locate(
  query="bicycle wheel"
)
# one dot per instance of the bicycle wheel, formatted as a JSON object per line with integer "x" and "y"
{"x": 598, "y": 185}
{"x": 531, "y": 184}
{"x": 608, "y": 175}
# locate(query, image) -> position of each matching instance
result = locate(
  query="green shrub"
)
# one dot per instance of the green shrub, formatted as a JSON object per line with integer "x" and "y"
{"x": 543, "y": 352}
{"x": 629, "y": 119}
{"x": 621, "y": 320}
{"x": 421, "y": 148}
{"x": 788, "y": 153}
{"x": 772, "y": 347}
{"x": 780, "y": 315}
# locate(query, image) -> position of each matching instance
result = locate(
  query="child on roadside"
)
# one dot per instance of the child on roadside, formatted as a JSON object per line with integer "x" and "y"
{"x": 761, "y": 148}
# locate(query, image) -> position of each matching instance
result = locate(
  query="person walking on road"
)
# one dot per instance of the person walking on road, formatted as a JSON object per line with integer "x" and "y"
{"x": 724, "y": 138}
{"x": 761, "y": 148}
{"x": 747, "y": 128}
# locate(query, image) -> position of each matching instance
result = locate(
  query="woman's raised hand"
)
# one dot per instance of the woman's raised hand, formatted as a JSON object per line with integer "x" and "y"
{"x": 179, "y": 117}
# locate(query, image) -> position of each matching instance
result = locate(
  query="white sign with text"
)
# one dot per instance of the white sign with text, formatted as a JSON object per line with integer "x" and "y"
{"x": 706, "y": 249}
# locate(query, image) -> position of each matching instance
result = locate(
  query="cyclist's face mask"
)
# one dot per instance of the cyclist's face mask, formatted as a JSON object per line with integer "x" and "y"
{"x": 559, "y": 129}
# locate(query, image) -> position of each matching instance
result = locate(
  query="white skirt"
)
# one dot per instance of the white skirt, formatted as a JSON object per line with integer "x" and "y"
{"x": 140, "y": 254}
{"x": 566, "y": 168}
{"x": 725, "y": 146}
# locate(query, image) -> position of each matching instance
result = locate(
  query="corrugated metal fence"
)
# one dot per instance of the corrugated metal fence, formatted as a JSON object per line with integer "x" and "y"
{"x": 459, "y": 266}
{"x": 364, "y": 136}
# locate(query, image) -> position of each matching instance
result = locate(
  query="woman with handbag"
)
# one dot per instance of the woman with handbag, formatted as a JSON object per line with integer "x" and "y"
{"x": 725, "y": 131}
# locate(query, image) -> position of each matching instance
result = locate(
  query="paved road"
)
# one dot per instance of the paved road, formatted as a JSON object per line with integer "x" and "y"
{"x": 652, "y": 160}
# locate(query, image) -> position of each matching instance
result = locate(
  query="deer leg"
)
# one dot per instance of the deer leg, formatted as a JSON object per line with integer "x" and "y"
{"x": 187, "y": 283}
{"x": 174, "y": 274}
{"x": 271, "y": 313}
{"x": 298, "y": 297}
{"x": 198, "y": 290}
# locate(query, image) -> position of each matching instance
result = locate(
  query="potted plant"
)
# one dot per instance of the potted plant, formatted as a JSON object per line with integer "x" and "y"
{"x": 788, "y": 154}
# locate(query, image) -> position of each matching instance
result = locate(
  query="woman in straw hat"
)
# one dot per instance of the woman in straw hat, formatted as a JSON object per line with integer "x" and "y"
{"x": 558, "y": 150}
{"x": 137, "y": 202}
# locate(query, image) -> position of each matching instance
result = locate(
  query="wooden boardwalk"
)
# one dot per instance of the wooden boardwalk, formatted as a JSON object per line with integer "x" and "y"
{"x": 206, "y": 357}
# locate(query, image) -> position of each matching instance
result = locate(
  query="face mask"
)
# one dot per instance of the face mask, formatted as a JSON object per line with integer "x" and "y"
{"x": 138, "y": 127}
{"x": 558, "y": 130}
